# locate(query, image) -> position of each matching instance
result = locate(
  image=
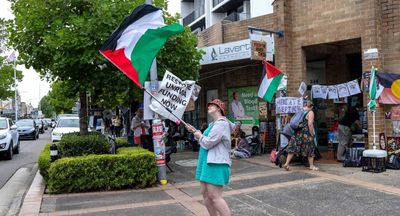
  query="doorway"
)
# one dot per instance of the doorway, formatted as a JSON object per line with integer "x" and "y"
{"x": 331, "y": 64}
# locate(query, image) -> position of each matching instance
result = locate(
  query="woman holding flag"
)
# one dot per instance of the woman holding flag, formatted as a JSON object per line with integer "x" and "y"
{"x": 213, "y": 167}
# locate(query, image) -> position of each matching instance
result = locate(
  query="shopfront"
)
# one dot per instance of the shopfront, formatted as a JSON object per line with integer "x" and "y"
{"x": 322, "y": 47}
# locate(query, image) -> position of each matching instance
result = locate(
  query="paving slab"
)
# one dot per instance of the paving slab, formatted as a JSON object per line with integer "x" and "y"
{"x": 63, "y": 203}
{"x": 247, "y": 183}
{"x": 164, "y": 210}
{"x": 325, "y": 198}
{"x": 184, "y": 164}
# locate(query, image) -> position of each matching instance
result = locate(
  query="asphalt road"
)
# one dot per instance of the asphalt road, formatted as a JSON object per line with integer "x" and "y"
{"x": 30, "y": 150}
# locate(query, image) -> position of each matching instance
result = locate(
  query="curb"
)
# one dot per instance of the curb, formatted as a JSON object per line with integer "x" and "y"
{"x": 33, "y": 199}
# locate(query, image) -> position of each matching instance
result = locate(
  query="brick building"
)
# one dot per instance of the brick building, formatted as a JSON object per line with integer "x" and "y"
{"x": 323, "y": 43}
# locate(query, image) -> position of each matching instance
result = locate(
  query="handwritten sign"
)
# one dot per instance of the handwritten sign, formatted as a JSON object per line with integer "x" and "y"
{"x": 288, "y": 105}
{"x": 174, "y": 94}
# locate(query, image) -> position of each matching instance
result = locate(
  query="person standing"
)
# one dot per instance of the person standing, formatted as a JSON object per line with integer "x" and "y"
{"x": 237, "y": 107}
{"x": 117, "y": 125}
{"x": 303, "y": 143}
{"x": 344, "y": 131}
{"x": 214, "y": 162}
{"x": 139, "y": 126}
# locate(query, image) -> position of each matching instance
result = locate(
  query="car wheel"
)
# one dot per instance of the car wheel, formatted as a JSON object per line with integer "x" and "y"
{"x": 16, "y": 151}
{"x": 10, "y": 152}
{"x": 36, "y": 137}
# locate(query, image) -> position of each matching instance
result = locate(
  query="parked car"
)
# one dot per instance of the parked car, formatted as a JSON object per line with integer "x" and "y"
{"x": 40, "y": 124}
{"x": 45, "y": 124}
{"x": 9, "y": 138}
{"x": 65, "y": 125}
{"x": 49, "y": 122}
{"x": 27, "y": 128}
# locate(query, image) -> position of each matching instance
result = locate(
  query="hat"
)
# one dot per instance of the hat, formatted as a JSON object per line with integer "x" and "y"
{"x": 219, "y": 104}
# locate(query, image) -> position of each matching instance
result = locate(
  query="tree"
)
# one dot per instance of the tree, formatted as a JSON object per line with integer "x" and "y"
{"x": 60, "y": 39}
{"x": 6, "y": 69}
{"x": 60, "y": 98}
{"x": 46, "y": 107}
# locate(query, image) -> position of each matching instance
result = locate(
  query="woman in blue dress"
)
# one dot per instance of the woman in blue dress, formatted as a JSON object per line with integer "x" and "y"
{"x": 213, "y": 167}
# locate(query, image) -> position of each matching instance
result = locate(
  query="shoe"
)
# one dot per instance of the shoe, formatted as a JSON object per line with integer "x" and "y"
{"x": 286, "y": 167}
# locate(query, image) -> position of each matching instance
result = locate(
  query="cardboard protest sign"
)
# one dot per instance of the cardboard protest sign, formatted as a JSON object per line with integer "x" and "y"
{"x": 174, "y": 94}
{"x": 286, "y": 105}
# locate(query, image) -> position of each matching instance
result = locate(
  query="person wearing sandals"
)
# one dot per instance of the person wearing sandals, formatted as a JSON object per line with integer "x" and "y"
{"x": 214, "y": 162}
{"x": 303, "y": 143}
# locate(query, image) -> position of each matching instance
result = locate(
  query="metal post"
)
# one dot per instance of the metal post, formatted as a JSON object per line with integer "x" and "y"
{"x": 159, "y": 145}
{"x": 373, "y": 130}
{"x": 15, "y": 92}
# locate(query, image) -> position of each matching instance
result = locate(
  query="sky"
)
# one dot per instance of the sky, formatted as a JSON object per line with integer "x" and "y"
{"x": 32, "y": 88}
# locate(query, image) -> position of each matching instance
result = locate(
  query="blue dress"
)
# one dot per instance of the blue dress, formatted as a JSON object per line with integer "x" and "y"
{"x": 216, "y": 174}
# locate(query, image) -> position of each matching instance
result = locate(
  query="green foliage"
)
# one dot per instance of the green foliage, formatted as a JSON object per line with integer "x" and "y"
{"x": 121, "y": 142}
{"x": 75, "y": 144}
{"x": 60, "y": 97}
{"x": 46, "y": 107}
{"x": 133, "y": 168}
{"x": 7, "y": 78}
{"x": 60, "y": 39}
{"x": 44, "y": 162}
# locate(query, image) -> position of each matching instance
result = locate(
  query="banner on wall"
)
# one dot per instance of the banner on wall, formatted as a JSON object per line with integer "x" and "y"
{"x": 285, "y": 105}
{"x": 243, "y": 106}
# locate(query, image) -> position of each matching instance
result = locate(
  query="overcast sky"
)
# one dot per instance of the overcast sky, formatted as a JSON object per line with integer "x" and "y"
{"x": 32, "y": 88}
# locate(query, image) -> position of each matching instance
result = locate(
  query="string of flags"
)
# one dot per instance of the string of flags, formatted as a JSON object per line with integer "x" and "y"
{"x": 336, "y": 91}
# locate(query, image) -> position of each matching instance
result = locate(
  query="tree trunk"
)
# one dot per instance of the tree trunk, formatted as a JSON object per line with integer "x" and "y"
{"x": 83, "y": 113}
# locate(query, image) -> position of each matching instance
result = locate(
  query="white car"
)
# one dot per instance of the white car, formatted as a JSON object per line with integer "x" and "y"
{"x": 65, "y": 125}
{"x": 9, "y": 138}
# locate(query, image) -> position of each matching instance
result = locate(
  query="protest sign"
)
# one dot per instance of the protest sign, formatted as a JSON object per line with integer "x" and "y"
{"x": 342, "y": 90}
{"x": 174, "y": 94}
{"x": 319, "y": 91}
{"x": 353, "y": 87}
{"x": 288, "y": 105}
{"x": 302, "y": 88}
{"x": 332, "y": 92}
{"x": 148, "y": 113}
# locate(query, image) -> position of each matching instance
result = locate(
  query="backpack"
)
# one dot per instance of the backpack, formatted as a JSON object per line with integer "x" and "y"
{"x": 353, "y": 157}
{"x": 393, "y": 162}
{"x": 297, "y": 119}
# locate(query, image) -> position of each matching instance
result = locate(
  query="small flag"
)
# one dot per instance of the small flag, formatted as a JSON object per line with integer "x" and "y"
{"x": 136, "y": 42}
{"x": 11, "y": 57}
{"x": 372, "y": 90}
{"x": 272, "y": 77}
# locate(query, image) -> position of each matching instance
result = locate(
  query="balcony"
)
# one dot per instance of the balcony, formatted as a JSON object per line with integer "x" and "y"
{"x": 194, "y": 15}
{"x": 222, "y": 6}
{"x": 237, "y": 16}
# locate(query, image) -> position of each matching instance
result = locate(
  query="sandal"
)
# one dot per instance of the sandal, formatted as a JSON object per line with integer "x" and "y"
{"x": 314, "y": 168}
{"x": 286, "y": 167}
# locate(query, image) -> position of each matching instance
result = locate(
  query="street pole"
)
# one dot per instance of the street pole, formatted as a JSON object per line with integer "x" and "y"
{"x": 15, "y": 92}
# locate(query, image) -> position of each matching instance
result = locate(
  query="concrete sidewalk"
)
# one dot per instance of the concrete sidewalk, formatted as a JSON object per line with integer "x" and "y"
{"x": 257, "y": 187}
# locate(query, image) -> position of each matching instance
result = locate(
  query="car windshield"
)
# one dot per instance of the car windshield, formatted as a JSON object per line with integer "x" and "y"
{"x": 3, "y": 124}
{"x": 68, "y": 123}
{"x": 24, "y": 123}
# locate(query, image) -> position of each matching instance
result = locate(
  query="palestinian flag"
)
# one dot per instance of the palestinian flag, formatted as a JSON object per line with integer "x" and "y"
{"x": 272, "y": 76}
{"x": 133, "y": 46}
{"x": 391, "y": 88}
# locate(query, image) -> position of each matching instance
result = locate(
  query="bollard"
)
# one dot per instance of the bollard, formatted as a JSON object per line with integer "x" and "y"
{"x": 53, "y": 152}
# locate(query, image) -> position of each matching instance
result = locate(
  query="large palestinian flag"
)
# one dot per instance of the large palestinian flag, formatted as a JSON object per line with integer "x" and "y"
{"x": 391, "y": 85}
{"x": 272, "y": 76}
{"x": 133, "y": 46}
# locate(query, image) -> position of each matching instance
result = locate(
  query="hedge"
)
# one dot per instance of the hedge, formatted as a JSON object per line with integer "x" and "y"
{"x": 131, "y": 168}
{"x": 121, "y": 142}
{"x": 75, "y": 144}
{"x": 44, "y": 162}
